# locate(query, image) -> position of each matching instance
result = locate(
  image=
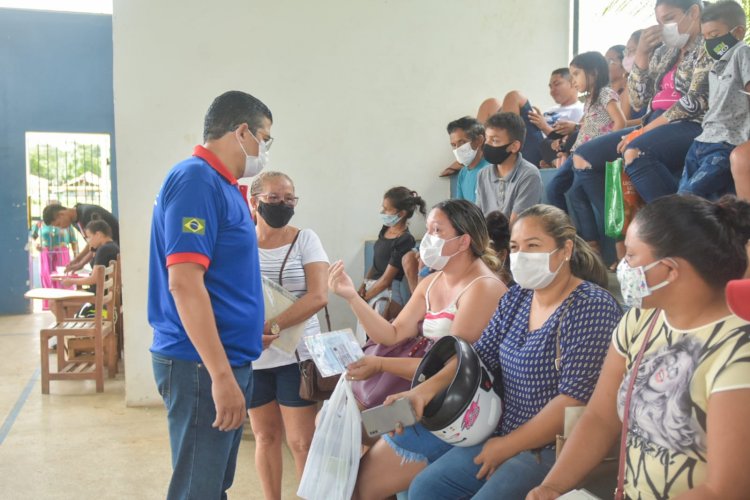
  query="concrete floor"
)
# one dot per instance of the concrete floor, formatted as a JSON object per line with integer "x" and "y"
{"x": 75, "y": 443}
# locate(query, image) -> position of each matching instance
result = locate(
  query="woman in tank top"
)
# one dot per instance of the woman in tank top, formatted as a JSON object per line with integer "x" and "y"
{"x": 459, "y": 300}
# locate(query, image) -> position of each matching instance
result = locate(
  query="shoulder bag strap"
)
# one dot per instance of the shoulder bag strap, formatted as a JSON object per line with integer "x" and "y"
{"x": 620, "y": 491}
{"x": 286, "y": 258}
{"x": 281, "y": 279}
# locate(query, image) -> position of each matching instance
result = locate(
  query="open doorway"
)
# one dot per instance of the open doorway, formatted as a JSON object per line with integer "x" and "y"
{"x": 69, "y": 169}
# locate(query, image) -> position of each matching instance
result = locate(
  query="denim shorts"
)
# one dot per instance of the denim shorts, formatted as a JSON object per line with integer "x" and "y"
{"x": 417, "y": 444}
{"x": 278, "y": 384}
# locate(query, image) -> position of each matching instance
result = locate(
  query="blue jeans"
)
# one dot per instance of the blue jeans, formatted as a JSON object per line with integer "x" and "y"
{"x": 707, "y": 170}
{"x": 203, "y": 458}
{"x": 453, "y": 476}
{"x": 280, "y": 384}
{"x": 560, "y": 184}
{"x": 657, "y": 170}
{"x": 589, "y": 220}
{"x": 417, "y": 444}
{"x": 534, "y": 137}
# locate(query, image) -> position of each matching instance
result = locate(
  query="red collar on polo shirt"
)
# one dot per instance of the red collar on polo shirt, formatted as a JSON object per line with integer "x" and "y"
{"x": 215, "y": 163}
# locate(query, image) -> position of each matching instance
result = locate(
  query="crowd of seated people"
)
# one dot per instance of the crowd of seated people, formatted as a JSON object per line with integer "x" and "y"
{"x": 525, "y": 282}
{"x": 670, "y": 104}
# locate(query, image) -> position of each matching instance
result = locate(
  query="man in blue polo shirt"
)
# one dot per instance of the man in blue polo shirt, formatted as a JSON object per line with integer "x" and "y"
{"x": 205, "y": 300}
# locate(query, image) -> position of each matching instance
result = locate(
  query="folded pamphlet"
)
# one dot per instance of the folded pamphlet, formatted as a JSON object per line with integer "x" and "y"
{"x": 333, "y": 351}
{"x": 276, "y": 300}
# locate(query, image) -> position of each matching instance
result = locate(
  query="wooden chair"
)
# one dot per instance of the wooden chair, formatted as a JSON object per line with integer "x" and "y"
{"x": 82, "y": 348}
{"x": 98, "y": 328}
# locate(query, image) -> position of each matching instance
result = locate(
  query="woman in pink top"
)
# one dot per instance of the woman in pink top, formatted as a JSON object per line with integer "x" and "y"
{"x": 459, "y": 300}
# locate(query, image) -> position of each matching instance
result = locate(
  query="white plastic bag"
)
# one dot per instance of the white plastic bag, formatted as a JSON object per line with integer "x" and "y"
{"x": 333, "y": 460}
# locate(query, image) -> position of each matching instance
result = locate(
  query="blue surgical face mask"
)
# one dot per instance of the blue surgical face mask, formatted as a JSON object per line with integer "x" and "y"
{"x": 390, "y": 220}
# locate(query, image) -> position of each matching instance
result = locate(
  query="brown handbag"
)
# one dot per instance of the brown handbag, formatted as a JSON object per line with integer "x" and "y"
{"x": 312, "y": 386}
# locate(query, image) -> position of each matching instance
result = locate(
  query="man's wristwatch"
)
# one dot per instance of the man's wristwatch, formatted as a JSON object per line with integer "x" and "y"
{"x": 275, "y": 328}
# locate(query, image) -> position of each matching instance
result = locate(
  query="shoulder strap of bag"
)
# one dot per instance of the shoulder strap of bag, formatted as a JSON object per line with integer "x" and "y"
{"x": 620, "y": 491}
{"x": 281, "y": 278}
{"x": 286, "y": 258}
{"x": 558, "y": 333}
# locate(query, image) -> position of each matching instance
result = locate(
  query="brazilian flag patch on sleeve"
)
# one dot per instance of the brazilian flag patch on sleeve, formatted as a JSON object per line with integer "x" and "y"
{"x": 193, "y": 225}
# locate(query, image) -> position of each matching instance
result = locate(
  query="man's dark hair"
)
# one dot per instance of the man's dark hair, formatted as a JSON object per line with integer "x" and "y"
{"x": 511, "y": 123}
{"x": 232, "y": 109}
{"x": 728, "y": 12}
{"x": 468, "y": 124}
{"x": 563, "y": 72}
{"x": 50, "y": 213}
{"x": 99, "y": 226}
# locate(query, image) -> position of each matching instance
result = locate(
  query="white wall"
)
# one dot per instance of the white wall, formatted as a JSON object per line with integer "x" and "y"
{"x": 361, "y": 92}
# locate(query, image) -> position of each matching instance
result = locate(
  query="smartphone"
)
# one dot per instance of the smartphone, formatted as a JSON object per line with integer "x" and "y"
{"x": 383, "y": 419}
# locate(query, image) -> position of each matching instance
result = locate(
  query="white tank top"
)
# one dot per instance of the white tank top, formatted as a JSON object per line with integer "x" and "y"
{"x": 438, "y": 323}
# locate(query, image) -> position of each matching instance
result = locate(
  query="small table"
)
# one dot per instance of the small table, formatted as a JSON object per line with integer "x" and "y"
{"x": 56, "y": 297}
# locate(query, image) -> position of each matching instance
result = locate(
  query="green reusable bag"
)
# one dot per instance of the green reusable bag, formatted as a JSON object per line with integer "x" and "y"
{"x": 614, "y": 206}
{"x": 621, "y": 200}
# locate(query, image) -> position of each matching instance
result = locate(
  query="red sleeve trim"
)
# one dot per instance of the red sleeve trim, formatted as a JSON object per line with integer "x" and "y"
{"x": 183, "y": 257}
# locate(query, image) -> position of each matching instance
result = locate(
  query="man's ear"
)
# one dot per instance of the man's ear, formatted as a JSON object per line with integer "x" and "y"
{"x": 516, "y": 146}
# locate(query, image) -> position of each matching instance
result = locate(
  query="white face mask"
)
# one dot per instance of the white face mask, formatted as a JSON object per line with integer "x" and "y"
{"x": 465, "y": 154}
{"x": 531, "y": 269}
{"x": 255, "y": 164}
{"x": 672, "y": 37}
{"x": 633, "y": 284}
{"x": 431, "y": 251}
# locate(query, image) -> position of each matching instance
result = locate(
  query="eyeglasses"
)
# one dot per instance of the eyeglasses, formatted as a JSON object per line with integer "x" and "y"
{"x": 268, "y": 142}
{"x": 274, "y": 199}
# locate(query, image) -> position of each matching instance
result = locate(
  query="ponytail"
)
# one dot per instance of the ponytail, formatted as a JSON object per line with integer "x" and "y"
{"x": 586, "y": 264}
{"x": 406, "y": 200}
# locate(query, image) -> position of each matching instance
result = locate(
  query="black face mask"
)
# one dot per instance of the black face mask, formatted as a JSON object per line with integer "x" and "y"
{"x": 717, "y": 47}
{"x": 496, "y": 154}
{"x": 276, "y": 216}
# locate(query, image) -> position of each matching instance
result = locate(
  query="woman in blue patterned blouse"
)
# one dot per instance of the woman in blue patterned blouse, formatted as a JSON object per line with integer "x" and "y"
{"x": 559, "y": 288}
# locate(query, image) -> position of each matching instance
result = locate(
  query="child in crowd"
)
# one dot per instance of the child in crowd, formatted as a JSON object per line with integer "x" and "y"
{"x": 512, "y": 184}
{"x": 727, "y": 122}
{"x": 602, "y": 114}
{"x": 382, "y": 280}
{"x": 99, "y": 238}
{"x": 467, "y": 137}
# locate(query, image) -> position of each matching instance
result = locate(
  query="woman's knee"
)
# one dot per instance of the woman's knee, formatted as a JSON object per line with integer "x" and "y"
{"x": 514, "y": 101}
{"x": 580, "y": 162}
{"x": 298, "y": 443}
{"x": 489, "y": 107}
{"x": 630, "y": 155}
{"x": 266, "y": 433}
